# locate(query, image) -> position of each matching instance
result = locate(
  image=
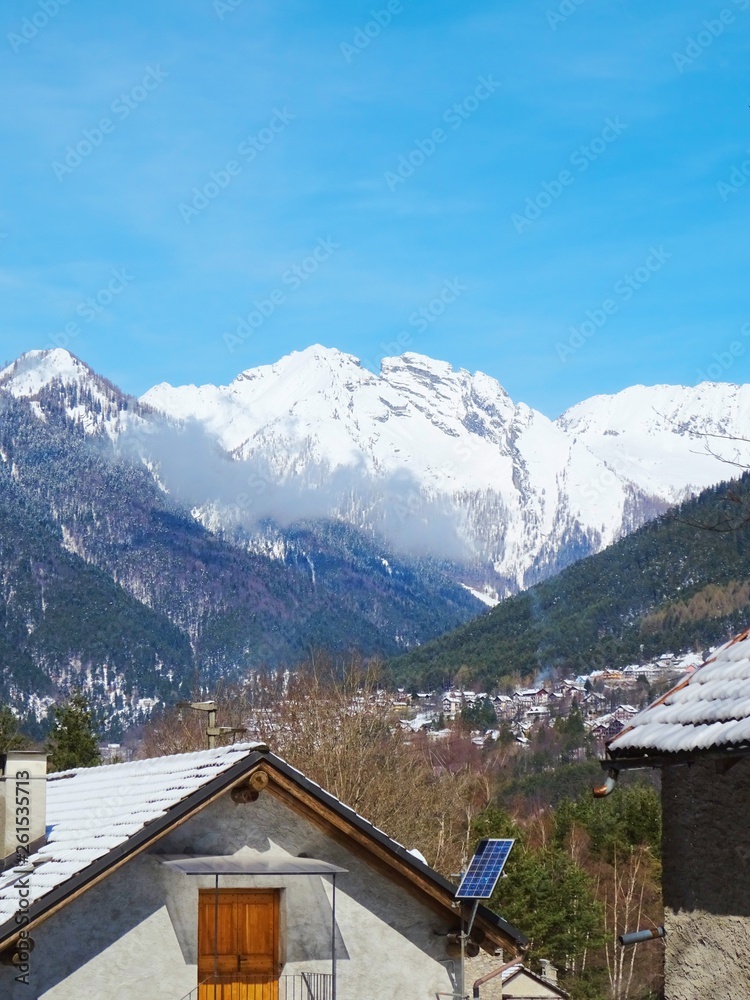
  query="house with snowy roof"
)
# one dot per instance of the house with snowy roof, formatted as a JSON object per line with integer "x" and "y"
{"x": 603, "y": 729}
{"x": 532, "y": 696}
{"x": 505, "y": 707}
{"x": 214, "y": 875}
{"x": 698, "y": 734}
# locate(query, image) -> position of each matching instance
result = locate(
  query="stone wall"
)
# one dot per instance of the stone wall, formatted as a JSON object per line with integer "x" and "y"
{"x": 707, "y": 881}
{"x": 480, "y": 966}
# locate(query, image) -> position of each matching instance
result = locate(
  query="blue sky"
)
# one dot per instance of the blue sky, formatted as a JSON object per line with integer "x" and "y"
{"x": 514, "y": 170}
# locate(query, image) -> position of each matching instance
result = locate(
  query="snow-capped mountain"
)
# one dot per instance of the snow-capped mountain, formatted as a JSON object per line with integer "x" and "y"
{"x": 88, "y": 400}
{"x": 436, "y": 459}
{"x": 669, "y": 440}
{"x": 108, "y": 582}
{"x": 527, "y": 494}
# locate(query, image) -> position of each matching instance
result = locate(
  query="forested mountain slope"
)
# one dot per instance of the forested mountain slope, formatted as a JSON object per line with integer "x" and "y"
{"x": 675, "y": 584}
{"x": 109, "y": 583}
{"x": 64, "y": 622}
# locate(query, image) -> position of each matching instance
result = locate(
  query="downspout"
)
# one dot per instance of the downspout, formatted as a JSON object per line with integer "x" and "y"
{"x": 495, "y": 972}
{"x": 635, "y": 937}
{"x": 216, "y": 932}
{"x": 609, "y": 785}
{"x": 333, "y": 938}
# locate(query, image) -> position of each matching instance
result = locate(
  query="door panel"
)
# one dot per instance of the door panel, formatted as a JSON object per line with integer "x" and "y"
{"x": 247, "y": 964}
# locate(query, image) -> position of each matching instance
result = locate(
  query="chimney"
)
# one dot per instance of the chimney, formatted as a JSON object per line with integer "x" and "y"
{"x": 23, "y": 805}
{"x": 549, "y": 972}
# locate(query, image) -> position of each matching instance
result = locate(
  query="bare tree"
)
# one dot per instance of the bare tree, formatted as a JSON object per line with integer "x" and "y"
{"x": 340, "y": 729}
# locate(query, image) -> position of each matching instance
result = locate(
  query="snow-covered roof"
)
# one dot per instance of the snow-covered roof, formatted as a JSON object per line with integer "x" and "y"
{"x": 603, "y": 720}
{"x": 93, "y": 810}
{"x": 708, "y": 710}
{"x": 98, "y": 815}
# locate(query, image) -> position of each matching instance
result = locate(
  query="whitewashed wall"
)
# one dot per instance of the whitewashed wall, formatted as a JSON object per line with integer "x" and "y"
{"x": 134, "y": 936}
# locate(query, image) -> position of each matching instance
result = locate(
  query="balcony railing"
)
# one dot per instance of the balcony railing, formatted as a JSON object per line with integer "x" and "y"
{"x": 303, "y": 986}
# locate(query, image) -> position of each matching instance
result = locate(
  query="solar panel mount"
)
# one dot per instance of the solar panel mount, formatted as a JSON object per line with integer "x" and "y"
{"x": 484, "y": 870}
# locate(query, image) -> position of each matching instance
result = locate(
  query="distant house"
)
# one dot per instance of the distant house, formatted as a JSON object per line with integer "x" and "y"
{"x": 505, "y": 707}
{"x": 572, "y": 688}
{"x": 592, "y": 703}
{"x": 537, "y": 713}
{"x": 649, "y": 671}
{"x": 513, "y": 981}
{"x": 699, "y": 735}
{"x": 624, "y": 713}
{"x": 520, "y": 983}
{"x": 605, "y": 728}
{"x": 533, "y": 696}
{"x": 209, "y": 876}
{"x": 454, "y": 701}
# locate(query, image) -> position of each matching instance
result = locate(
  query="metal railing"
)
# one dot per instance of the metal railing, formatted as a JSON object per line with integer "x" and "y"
{"x": 303, "y": 986}
{"x": 306, "y": 986}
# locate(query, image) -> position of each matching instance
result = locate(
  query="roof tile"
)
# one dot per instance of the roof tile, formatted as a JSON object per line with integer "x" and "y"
{"x": 91, "y": 811}
{"x": 709, "y": 710}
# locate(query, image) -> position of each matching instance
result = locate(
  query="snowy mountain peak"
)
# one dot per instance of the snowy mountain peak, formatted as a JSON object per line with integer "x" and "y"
{"x": 421, "y": 366}
{"x": 671, "y": 439}
{"x": 315, "y": 366}
{"x": 55, "y": 379}
{"x": 35, "y": 370}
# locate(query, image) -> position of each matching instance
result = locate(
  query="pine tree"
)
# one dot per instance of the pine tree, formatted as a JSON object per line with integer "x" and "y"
{"x": 73, "y": 741}
{"x": 11, "y": 738}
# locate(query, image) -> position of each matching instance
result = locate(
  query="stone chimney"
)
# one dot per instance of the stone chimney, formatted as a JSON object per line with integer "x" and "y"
{"x": 23, "y": 805}
{"x": 549, "y": 972}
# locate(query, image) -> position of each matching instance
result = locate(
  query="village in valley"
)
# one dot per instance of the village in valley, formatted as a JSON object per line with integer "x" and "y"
{"x": 606, "y": 701}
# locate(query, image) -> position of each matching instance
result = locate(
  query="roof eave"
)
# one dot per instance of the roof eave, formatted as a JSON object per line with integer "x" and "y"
{"x": 484, "y": 914}
{"x": 633, "y": 758}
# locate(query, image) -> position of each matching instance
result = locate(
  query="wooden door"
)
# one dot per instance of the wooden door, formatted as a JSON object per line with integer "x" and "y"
{"x": 245, "y": 966}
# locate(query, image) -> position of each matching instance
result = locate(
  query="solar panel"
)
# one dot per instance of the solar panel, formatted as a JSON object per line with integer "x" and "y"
{"x": 481, "y": 876}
